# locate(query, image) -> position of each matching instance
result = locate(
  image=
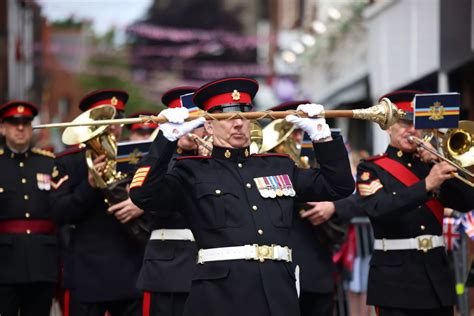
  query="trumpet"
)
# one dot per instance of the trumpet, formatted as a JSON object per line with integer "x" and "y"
{"x": 384, "y": 113}
{"x": 457, "y": 146}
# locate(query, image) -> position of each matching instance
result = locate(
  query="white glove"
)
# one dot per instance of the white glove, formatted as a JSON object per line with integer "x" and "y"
{"x": 176, "y": 125}
{"x": 316, "y": 128}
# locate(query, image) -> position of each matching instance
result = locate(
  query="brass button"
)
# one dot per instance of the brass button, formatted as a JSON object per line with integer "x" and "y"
{"x": 254, "y": 207}
{"x": 23, "y": 180}
{"x": 218, "y": 192}
{"x": 28, "y": 231}
{"x": 422, "y": 227}
{"x": 394, "y": 193}
{"x": 27, "y": 215}
{"x": 419, "y": 206}
{"x": 260, "y": 232}
{"x": 239, "y": 165}
{"x": 1, "y": 190}
{"x": 248, "y": 185}
{"x": 22, "y": 164}
{"x": 409, "y": 164}
{"x": 25, "y": 197}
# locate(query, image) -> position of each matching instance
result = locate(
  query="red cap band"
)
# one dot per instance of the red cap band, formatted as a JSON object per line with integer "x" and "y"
{"x": 406, "y": 106}
{"x": 19, "y": 110}
{"x": 227, "y": 98}
{"x": 176, "y": 103}
{"x": 143, "y": 126}
{"x": 118, "y": 104}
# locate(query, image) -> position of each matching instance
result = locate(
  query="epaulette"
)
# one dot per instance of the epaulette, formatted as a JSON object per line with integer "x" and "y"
{"x": 69, "y": 151}
{"x": 42, "y": 152}
{"x": 193, "y": 157}
{"x": 372, "y": 158}
{"x": 271, "y": 155}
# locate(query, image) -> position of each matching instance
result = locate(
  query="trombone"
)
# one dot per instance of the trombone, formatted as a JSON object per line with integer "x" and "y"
{"x": 457, "y": 146}
{"x": 384, "y": 113}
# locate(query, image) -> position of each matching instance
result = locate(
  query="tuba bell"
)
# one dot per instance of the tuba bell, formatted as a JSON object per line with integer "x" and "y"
{"x": 276, "y": 137}
{"x": 99, "y": 141}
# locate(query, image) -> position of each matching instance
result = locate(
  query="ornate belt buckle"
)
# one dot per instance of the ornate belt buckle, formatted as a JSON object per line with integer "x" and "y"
{"x": 264, "y": 252}
{"x": 425, "y": 244}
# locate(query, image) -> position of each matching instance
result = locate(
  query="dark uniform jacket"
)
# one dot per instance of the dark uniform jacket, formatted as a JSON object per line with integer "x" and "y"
{"x": 168, "y": 265}
{"x": 224, "y": 208}
{"x": 106, "y": 260}
{"x": 409, "y": 279}
{"x": 24, "y": 195}
{"x": 313, "y": 257}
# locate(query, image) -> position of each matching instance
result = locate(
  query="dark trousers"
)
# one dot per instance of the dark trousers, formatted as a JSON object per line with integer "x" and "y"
{"x": 163, "y": 304}
{"x": 388, "y": 311}
{"x": 114, "y": 308}
{"x": 316, "y": 304}
{"x": 29, "y": 298}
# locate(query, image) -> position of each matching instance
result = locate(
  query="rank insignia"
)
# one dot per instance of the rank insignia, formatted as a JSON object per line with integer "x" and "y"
{"x": 139, "y": 177}
{"x": 55, "y": 172}
{"x": 60, "y": 182}
{"x": 44, "y": 181}
{"x": 365, "y": 176}
{"x": 370, "y": 188}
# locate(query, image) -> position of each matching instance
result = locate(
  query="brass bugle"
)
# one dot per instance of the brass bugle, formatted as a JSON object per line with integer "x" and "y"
{"x": 384, "y": 113}
{"x": 420, "y": 143}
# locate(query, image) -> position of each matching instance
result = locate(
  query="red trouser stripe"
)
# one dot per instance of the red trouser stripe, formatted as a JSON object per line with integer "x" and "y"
{"x": 146, "y": 303}
{"x": 67, "y": 297}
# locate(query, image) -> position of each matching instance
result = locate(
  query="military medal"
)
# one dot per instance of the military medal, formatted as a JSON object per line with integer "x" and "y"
{"x": 289, "y": 185}
{"x": 271, "y": 192}
{"x": 274, "y": 183}
{"x": 282, "y": 184}
{"x": 262, "y": 188}
{"x": 43, "y": 181}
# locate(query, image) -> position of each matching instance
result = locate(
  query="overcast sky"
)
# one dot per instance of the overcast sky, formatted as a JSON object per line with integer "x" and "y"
{"x": 103, "y": 13}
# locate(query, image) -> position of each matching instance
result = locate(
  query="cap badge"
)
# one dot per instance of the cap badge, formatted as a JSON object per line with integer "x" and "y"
{"x": 20, "y": 108}
{"x": 227, "y": 154}
{"x": 246, "y": 152}
{"x": 365, "y": 176}
{"x": 399, "y": 153}
{"x": 114, "y": 101}
{"x": 236, "y": 95}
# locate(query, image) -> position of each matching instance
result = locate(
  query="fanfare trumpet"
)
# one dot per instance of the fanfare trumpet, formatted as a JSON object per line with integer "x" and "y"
{"x": 384, "y": 113}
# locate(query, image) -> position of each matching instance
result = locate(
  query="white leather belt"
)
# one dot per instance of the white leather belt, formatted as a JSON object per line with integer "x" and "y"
{"x": 172, "y": 234}
{"x": 423, "y": 243}
{"x": 247, "y": 252}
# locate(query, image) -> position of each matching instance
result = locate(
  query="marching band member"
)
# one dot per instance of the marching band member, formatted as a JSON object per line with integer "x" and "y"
{"x": 28, "y": 242}
{"x": 239, "y": 206}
